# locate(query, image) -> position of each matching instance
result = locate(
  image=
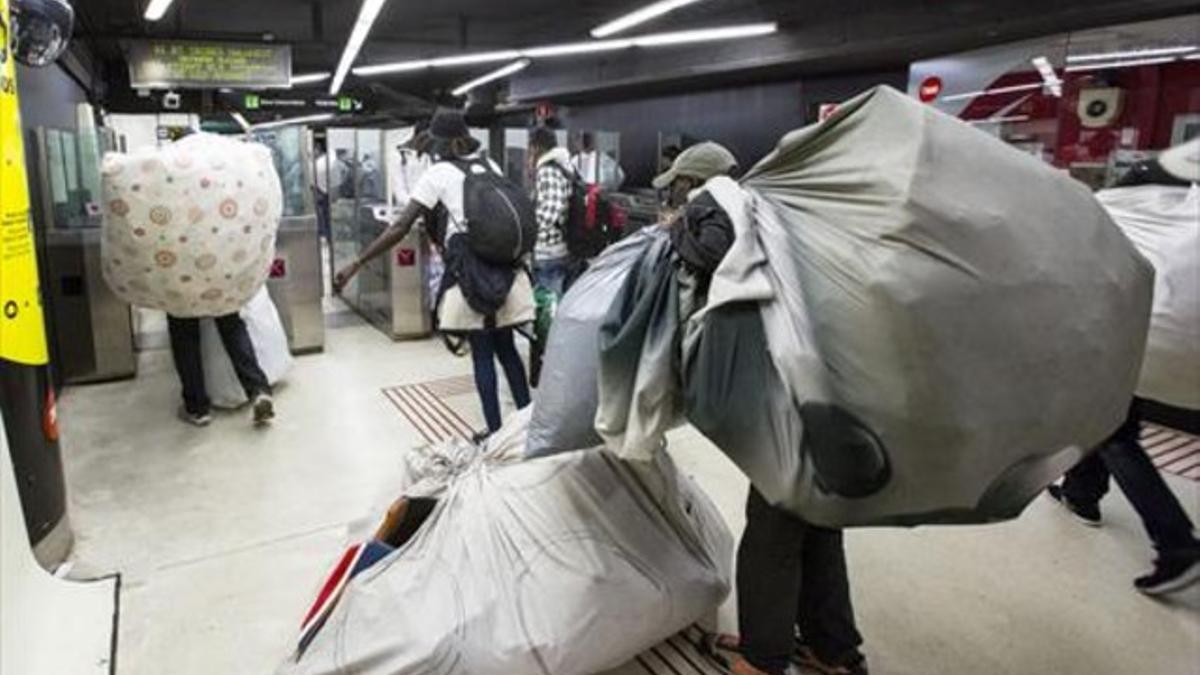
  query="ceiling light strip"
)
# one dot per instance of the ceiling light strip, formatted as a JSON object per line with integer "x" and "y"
{"x": 472, "y": 59}
{"x": 511, "y": 68}
{"x": 577, "y": 48}
{"x": 1136, "y": 53}
{"x": 291, "y": 120}
{"x": 1120, "y": 64}
{"x": 992, "y": 92}
{"x": 358, "y": 35}
{"x": 548, "y": 51}
{"x": 1049, "y": 75}
{"x": 156, "y": 9}
{"x": 309, "y": 78}
{"x": 705, "y": 35}
{"x": 1000, "y": 120}
{"x": 639, "y": 16}
{"x": 241, "y": 120}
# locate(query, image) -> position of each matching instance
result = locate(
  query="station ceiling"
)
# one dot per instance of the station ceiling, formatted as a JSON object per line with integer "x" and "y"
{"x": 868, "y": 33}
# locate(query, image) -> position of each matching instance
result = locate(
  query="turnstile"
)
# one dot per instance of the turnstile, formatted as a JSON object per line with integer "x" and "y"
{"x": 90, "y": 329}
{"x": 296, "y": 283}
{"x": 93, "y": 328}
{"x": 391, "y": 292}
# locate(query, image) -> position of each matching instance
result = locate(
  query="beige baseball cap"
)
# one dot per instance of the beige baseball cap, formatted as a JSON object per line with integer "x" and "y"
{"x": 703, "y": 161}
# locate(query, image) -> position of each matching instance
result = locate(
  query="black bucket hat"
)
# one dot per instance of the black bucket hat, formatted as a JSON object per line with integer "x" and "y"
{"x": 448, "y": 124}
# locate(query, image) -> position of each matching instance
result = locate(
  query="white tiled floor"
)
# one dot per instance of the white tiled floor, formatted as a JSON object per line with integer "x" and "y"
{"x": 222, "y": 533}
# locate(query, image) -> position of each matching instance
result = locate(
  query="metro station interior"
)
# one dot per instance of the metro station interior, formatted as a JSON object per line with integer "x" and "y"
{"x": 621, "y": 337}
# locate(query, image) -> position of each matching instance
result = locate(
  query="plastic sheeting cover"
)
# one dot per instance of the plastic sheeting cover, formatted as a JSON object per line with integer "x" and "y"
{"x": 567, "y": 396}
{"x": 270, "y": 348}
{"x": 1164, "y": 223}
{"x": 189, "y": 228}
{"x": 563, "y": 565}
{"x": 951, "y": 323}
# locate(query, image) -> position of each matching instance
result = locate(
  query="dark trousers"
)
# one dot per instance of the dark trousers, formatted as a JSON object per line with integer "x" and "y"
{"x": 1122, "y": 457}
{"x": 185, "y": 348}
{"x": 487, "y": 346}
{"x": 792, "y": 574}
{"x": 322, "y": 208}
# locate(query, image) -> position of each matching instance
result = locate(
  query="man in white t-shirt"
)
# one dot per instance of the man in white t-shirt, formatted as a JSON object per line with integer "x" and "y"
{"x": 596, "y": 167}
{"x": 441, "y": 188}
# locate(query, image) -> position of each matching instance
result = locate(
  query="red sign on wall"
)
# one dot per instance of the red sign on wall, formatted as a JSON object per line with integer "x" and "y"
{"x": 406, "y": 257}
{"x": 930, "y": 89}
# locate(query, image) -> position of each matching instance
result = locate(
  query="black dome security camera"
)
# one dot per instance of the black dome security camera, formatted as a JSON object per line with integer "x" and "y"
{"x": 41, "y": 30}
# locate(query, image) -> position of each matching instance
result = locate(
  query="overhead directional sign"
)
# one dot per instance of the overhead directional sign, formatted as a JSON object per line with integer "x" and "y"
{"x": 162, "y": 64}
{"x": 340, "y": 104}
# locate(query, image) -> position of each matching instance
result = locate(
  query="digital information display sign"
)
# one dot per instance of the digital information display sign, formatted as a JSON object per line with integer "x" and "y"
{"x": 165, "y": 64}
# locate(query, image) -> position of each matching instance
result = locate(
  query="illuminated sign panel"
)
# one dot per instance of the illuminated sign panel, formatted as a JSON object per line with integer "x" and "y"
{"x": 163, "y": 64}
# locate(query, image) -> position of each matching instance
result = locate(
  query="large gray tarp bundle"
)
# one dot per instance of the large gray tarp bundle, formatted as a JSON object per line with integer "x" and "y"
{"x": 569, "y": 565}
{"x": 916, "y": 323}
{"x": 566, "y": 399}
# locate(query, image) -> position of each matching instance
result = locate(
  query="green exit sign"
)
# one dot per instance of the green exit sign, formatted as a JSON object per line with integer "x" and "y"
{"x": 253, "y": 102}
{"x": 345, "y": 104}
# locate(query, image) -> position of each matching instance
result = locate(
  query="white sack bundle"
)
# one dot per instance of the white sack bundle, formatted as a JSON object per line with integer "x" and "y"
{"x": 189, "y": 228}
{"x": 270, "y": 348}
{"x": 571, "y": 565}
{"x": 1164, "y": 223}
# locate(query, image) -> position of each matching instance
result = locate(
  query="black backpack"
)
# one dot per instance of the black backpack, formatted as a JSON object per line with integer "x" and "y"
{"x": 501, "y": 225}
{"x": 593, "y": 222}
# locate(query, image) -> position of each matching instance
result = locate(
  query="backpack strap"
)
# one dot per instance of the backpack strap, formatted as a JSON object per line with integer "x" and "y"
{"x": 572, "y": 176}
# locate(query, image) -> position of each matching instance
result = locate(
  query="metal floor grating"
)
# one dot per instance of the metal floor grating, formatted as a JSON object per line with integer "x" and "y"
{"x": 1172, "y": 451}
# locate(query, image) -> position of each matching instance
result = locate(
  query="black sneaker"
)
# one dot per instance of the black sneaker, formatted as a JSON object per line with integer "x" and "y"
{"x": 805, "y": 657}
{"x": 264, "y": 409}
{"x": 1171, "y": 573}
{"x": 195, "y": 419}
{"x": 1088, "y": 514}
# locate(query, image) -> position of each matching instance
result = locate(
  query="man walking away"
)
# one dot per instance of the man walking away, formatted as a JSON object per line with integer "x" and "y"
{"x": 189, "y": 364}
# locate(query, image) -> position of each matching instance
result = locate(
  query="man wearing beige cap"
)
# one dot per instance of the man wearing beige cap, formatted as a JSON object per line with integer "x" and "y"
{"x": 790, "y": 574}
{"x": 692, "y": 168}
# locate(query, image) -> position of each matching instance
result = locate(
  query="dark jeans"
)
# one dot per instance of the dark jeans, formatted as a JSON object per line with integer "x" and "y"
{"x": 487, "y": 346}
{"x": 791, "y": 573}
{"x": 1122, "y": 456}
{"x": 185, "y": 348}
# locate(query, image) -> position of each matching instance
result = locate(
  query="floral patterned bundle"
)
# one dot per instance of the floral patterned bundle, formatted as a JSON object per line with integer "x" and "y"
{"x": 190, "y": 227}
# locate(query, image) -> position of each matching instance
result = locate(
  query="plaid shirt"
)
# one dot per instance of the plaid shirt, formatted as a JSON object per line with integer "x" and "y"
{"x": 552, "y": 198}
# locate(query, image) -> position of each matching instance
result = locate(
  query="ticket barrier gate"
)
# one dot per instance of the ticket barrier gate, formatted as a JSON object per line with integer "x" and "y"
{"x": 392, "y": 292}
{"x": 296, "y": 283}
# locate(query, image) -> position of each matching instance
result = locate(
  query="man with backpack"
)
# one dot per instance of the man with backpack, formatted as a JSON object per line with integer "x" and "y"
{"x": 485, "y": 228}
{"x": 553, "y": 187}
